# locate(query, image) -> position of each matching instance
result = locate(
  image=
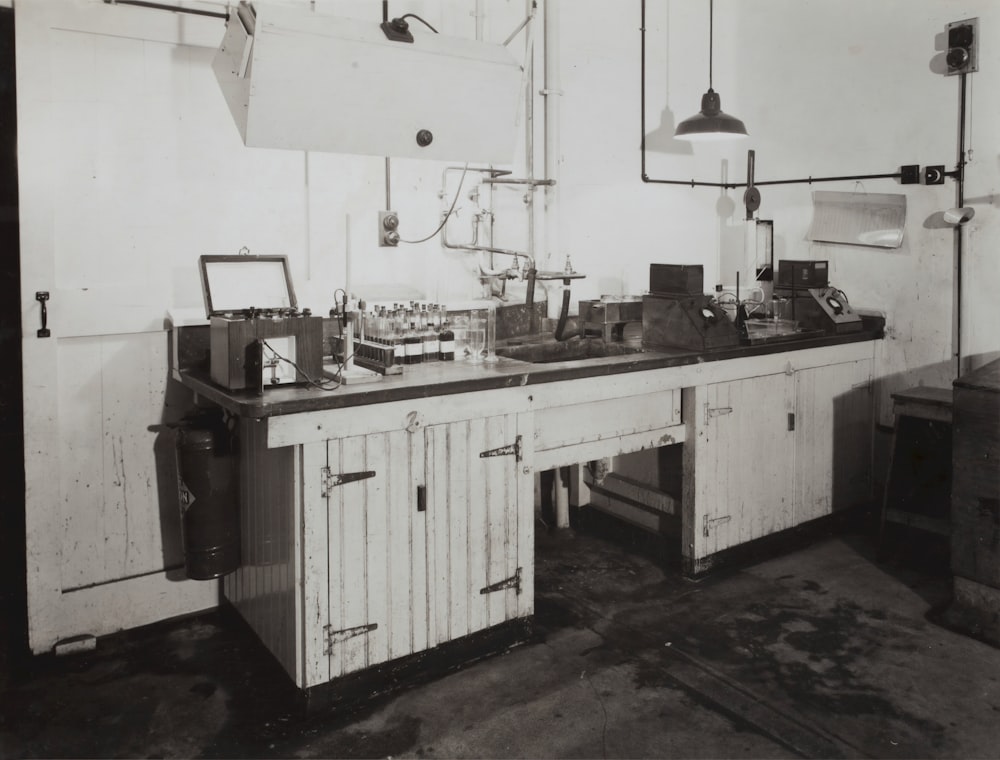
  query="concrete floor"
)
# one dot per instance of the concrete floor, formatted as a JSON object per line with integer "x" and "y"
{"x": 819, "y": 652}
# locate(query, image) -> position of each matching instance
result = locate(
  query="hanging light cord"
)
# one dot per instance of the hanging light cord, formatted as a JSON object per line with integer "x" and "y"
{"x": 711, "y": 15}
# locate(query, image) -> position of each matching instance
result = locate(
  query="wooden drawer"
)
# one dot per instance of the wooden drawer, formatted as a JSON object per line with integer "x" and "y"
{"x": 607, "y": 427}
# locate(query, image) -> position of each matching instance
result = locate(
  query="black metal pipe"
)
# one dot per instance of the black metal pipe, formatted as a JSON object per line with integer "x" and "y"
{"x": 165, "y": 7}
{"x": 960, "y": 194}
{"x": 642, "y": 85}
{"x": 802, "y": 180}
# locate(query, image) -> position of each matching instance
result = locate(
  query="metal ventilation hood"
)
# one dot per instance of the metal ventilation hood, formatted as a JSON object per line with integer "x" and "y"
{"x": 299, "y": 80}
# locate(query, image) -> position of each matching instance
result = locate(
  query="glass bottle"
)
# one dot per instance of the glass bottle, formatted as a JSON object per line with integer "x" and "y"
{"x": 413, "y": 345}
{"x": 431, "y": 344}
{"x": 446, "y": 342}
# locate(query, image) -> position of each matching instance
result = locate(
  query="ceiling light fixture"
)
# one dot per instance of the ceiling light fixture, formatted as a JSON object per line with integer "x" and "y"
{"x": 710, "y": 123}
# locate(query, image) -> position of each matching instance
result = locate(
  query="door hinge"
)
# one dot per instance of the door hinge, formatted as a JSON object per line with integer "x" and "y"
{"x": 331, "y": 481}
{"x": 716, "y": 411}
{"x": 335, "y": 637}
{"x": 711, "y": 522}
{"x": 510, "y": 448}
{"x": 513, "y": 582}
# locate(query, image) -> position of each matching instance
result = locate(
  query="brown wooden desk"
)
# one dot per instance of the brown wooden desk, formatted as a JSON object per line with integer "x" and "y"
{"x": 918, "y": 488}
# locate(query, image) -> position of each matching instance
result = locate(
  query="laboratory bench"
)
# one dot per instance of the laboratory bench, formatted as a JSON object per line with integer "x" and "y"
{"x": 384, "y": 521}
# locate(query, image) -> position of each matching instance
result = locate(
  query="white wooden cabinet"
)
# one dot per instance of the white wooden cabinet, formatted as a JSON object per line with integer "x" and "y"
{"x": 740, "y": 462}
{"x": 834, "y": 425}
{"x": 378, "y": 531}
{"x": 387, "y": 543}
{"x": 771, "y": 452}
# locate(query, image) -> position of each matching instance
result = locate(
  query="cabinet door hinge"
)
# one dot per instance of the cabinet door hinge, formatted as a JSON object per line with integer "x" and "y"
{"x": 716, "y": 411}
{"x": 513, "y": 582}
{"x": 335, "y": 637}
{"x": 711, "y": 522}
{"x": 510, "y": 448}
{"x": 331, "y": 481}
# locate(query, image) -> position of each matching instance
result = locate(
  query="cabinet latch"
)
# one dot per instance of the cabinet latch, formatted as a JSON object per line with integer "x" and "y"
{"x": 717, "y": 411}
{"x": 513, "y": 582}
{"x": 510, "y": 448}
{"x": 711, "y": 522}
{"x": 331, "y": 481}
{"x": 335, "y": 637}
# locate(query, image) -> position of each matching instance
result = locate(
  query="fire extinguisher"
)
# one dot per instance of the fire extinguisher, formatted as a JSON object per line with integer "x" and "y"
{"x": 208, "y": 494}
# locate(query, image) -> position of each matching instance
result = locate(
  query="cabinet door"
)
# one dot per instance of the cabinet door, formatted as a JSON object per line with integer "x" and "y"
{"x": 833, "y": 438}
{"x": 481, "y": 538}
{"x": 377, "y": 562}
{"x": 738, "y": 465}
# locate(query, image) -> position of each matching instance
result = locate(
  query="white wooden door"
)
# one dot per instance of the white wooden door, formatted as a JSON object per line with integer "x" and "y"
{"x": 376, "y": 538}
{"x": 834, "y": 423}
{"x": 129, "y": 168}
{"x": 739, "y": 463}
{"x": 481, "y": 576}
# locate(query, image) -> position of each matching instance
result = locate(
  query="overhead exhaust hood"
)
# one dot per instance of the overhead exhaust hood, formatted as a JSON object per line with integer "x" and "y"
{"x": 296, "y": 79}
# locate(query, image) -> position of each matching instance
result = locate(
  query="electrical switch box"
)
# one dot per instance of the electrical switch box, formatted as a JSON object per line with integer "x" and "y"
{"x": 388, "y": 222}
{"x": 963, "y": 46}
{"x": 909, "y": 174}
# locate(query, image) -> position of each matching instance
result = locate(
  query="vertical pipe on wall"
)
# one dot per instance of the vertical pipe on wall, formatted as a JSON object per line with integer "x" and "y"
{"x": 529, "y": 156}
{"x": 959, "y": 232}
{"x": 552, "y": 94}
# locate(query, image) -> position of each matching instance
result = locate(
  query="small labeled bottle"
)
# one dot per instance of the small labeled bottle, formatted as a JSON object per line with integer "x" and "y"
{"x": 413, "y": 345}
{"x": 446, "y": 341}
{"x": 430, "y": 338}
{"x": 398, "y": 332}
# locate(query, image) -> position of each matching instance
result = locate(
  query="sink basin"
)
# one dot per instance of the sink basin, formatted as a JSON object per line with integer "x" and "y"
{"x": 566, "y": 351}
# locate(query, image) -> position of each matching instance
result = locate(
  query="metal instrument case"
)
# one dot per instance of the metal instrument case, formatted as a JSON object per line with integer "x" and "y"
{"x": 692, "y": 322}
{"x": 803, "y": 274}
{"x": 238, "y": 331}
{"x": 675, "y": 279}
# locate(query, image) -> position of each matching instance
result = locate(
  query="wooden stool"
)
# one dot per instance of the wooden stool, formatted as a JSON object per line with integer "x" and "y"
{"x": 918, "y": 489}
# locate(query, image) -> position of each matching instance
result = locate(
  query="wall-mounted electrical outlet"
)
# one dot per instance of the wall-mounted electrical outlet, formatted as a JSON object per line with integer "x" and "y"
{"x": 388, "y": 221}
{"x": 963, "y": 46}
{"x": 934, "y": 175}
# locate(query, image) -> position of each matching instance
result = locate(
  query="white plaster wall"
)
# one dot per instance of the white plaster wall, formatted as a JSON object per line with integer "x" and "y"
{"x": 826, "y": 88}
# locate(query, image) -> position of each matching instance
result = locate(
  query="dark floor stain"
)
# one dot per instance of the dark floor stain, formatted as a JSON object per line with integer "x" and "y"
{"x": 552, "y": 612}
{"x": 811, "y": 656}
{"x": 400, "y": 734}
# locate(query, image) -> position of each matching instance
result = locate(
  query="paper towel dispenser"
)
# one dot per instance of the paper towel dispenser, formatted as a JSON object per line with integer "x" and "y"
{"x": 297, "y": 79}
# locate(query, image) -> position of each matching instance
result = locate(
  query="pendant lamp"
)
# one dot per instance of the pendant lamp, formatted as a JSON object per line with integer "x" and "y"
{"x": 710, "y": 123}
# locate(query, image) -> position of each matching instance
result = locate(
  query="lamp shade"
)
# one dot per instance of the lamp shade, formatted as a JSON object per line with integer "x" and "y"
{"x": 710, "y": 123}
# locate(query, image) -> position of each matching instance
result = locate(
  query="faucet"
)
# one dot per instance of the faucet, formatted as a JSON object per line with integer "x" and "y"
{"x": 567, "y": 276}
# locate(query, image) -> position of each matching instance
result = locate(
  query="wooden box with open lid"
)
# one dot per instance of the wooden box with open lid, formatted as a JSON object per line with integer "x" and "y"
{"x": 258, "y": 336}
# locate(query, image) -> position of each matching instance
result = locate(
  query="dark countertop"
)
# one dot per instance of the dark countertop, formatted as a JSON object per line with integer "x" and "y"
{"x": 986, "y": 378}
{"x": 444, "y": 378}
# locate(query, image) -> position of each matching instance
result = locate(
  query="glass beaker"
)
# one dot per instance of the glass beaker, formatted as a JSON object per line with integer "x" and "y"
{"x": 476, "y": 335}
{"x": 460, "y": 327}
{"x": 491, "y": 334}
